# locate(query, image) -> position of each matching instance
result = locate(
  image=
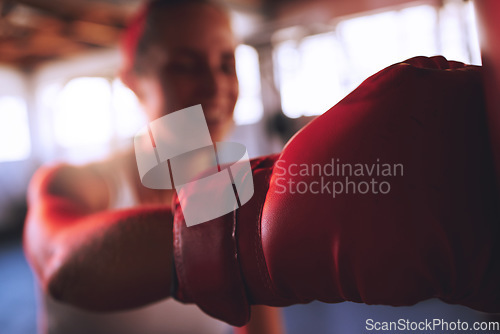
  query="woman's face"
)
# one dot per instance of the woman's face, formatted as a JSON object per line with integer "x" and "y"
{"x": 193, "y": 63}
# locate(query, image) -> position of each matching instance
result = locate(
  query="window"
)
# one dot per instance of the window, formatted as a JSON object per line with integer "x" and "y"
{"x": 374, "y": 42}
{"x": 309, "y": 75}
{"x": 127, "y": 112}
{"x": 249, "y": 107}
{"x": 82, "y": 113}
{"x": 315, "y": 72}
{"x": 91, "y": 115}
{"x": 14, "y": 129}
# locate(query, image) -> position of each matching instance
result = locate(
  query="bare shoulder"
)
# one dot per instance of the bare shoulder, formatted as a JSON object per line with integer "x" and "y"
{"x": 84, "y": 185}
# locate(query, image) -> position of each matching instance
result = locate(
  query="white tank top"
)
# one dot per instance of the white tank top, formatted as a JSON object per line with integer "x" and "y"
{"x": 168, "y": 316}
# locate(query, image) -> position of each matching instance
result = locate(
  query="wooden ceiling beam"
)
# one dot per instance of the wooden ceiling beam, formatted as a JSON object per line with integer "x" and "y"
{"x": 92, "y": 11}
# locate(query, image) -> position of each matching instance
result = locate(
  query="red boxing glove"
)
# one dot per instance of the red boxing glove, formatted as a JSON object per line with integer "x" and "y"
{"x": 418, "y": 220}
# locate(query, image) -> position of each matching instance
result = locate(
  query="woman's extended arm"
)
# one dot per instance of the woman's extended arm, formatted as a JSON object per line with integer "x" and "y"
{"x": 88, "y": 256}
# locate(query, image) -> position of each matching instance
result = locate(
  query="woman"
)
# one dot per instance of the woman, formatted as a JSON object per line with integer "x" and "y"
{"x": 176, "y": 54}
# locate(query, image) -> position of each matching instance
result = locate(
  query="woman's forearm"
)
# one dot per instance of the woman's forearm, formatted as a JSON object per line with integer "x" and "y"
{"x": 107, "y": 261}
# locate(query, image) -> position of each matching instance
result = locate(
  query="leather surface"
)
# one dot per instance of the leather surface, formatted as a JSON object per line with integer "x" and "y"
{"x": 434, "y": 234}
